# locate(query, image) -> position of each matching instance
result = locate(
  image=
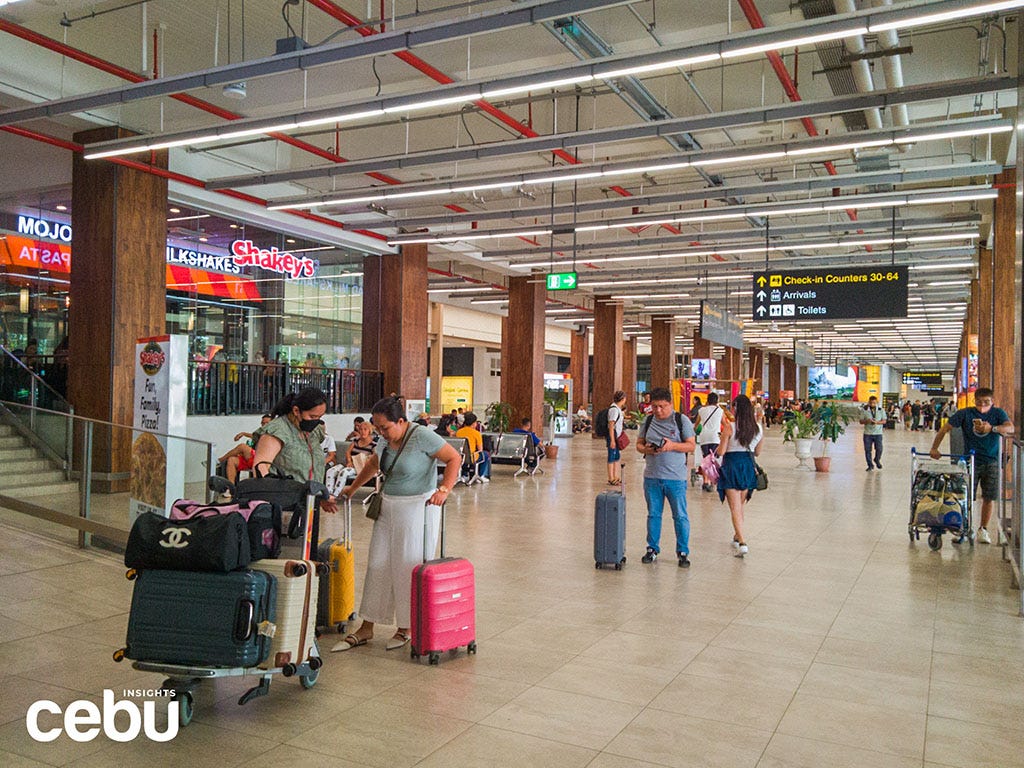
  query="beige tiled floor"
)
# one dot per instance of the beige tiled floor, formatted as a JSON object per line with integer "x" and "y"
{"x": 834, "y": 643}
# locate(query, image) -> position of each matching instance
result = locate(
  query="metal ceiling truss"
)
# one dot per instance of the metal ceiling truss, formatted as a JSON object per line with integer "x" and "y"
{"x": 666, "y": 128}
{"x": 504, "y": 18}
{"x": 808, "y": 185}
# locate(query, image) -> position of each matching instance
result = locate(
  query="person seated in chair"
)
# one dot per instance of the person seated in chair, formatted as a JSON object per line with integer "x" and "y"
{"x": 526, "y": 428}
{"x": 240, "y": 458}
{"x": 472, "y": 435}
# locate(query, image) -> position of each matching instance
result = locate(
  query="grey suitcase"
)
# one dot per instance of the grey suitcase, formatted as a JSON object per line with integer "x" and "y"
{"x": 610, "y": 529}
{"x": 208, "y": 619}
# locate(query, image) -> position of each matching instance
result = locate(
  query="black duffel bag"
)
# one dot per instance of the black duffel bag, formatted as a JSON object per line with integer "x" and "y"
{"x": 277, "y": 488}
{"x": 216, "y": 543}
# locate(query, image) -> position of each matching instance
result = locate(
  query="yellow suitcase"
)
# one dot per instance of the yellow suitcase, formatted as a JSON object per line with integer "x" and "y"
{"x": 337, "y": 598}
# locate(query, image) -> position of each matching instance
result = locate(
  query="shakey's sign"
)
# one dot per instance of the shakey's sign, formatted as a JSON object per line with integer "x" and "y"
{"x": 247, "y": 254}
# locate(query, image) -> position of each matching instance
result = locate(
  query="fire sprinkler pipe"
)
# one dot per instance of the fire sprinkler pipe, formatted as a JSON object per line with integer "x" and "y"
{"x": 892, "y": 65}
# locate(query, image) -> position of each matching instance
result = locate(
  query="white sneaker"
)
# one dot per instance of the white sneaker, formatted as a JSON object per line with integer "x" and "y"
{"x": 983, "y": 537}
{"x": 735, "y": 544}
{"x": 741, "y": 550}
{"x": 1001, "y": 537}
{"x": 486, "y": 479}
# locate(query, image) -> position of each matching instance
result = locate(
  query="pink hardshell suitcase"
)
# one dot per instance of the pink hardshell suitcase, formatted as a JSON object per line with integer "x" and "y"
{"x": 443, "y": 604}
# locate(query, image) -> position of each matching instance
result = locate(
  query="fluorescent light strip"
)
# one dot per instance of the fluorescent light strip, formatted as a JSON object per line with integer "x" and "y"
{"x": 190, "y": 218}
{"x": 640, "y": 170}
{"x": 856, "y": 29}
{"x": 457, "y": 238}
{"x": 462, "y": 290}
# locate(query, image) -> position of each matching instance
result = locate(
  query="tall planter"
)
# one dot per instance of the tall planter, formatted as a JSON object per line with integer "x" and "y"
{"x": 803, "y": 452}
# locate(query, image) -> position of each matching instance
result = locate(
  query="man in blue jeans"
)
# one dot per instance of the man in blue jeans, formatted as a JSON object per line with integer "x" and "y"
{"x": 665, "y": 438}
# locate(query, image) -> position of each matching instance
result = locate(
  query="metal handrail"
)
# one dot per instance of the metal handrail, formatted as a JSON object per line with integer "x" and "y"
{"x": 83, "y": 522}
{"x": 37, "y": 382}
{"x": 1010, "y": 524}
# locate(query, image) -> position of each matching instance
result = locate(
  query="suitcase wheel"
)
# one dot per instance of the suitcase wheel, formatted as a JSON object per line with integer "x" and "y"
{"x": 322, "y": 569}
{"x": 186, "y": 708}
{"x": 315, "y": 662}
{"x": 413, "y": 655}
{"x": 471, "y": 648}
{"x": 131, "y": 574}
{"x": 598, "y": 566}
{"x": 618, "y": 566}
{"x": 119, "y": 655}
{"x": 288, "y": 670}
{"x": 309, "y": 680}
{"x": 435, "y": 658}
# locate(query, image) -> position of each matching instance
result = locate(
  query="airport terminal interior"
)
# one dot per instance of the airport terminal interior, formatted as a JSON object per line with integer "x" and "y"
{"x": 519, "y": 210}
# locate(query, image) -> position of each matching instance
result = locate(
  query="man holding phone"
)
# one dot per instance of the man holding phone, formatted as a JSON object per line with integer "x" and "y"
{"x": 873, "y": 421}
{"x": 983, "y": 426}
{"x": 666, "y": 436}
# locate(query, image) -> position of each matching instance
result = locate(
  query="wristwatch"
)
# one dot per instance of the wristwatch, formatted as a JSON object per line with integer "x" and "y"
{"x": 443, "y": 489}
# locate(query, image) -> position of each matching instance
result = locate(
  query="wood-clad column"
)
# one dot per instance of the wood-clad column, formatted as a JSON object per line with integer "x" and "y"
{"x": 1005, "y": 379}
{"x": 756, "y": 365}
{"x": 802, "y": 383}
{"x": 579, "y": 367}
{"x": 395, "y": 308}
{"x": 985, "y": 317}
{"x": 436, "y": 357}
{"x": 724, "y": 371}
{"x": 522, "y": 364}
{"x": 629, "y": 372}
{"x": 118, "y": 294}
{"x": 789, "y": 375}
{"x": 663, "y": 351}
{"x": 607, "y": 351}
{"x": 774, "y": 375}
{"x": 701, "y": 346}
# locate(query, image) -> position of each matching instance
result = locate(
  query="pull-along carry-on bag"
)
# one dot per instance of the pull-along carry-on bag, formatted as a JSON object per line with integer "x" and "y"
{"x": 294, "y": 640}
{"x": 262, "y": 519}
{"x": 443, "y": 603}
{"x": 213, "y": 619}
{"x": 610, "y": 527}
{"x": 207, "y": 543}
{"x": 337, "y": 600}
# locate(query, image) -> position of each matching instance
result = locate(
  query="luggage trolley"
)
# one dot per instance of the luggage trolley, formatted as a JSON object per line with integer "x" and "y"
{"x": 941, "y": 497}
{"x": 182, "y": 679}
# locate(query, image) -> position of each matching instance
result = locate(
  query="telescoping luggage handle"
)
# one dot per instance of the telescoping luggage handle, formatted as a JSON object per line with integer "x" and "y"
{"x": 425, "y": 519}
{"x": 314, "y": 491}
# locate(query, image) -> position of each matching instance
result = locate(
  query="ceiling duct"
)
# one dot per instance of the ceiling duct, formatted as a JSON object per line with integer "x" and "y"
{"x": 835, "y": 64}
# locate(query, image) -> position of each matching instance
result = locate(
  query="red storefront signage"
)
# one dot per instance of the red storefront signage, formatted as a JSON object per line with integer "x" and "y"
{"x": 16, "y": 251}
{"x": 247, "y": 254}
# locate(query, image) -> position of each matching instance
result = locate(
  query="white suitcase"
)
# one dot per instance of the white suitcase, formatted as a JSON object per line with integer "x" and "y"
{"x": 298, "y": 585}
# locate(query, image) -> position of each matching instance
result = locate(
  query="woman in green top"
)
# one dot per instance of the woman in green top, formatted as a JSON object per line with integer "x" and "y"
{"x": 396, "y": 545}
{"x": 291, "y": 442}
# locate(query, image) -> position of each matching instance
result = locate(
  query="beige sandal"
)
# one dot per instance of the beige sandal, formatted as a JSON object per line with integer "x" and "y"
{"x": 398, "y": 640}
{"x": 350, "y": 642}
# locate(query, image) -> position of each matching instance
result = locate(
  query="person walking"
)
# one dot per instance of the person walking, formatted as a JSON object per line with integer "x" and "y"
{"x": 983, "y": 426}
{"x": 666, "y": 436}
{"x": 915, "y": 414}
{"x": 708, "y": 427}
{"x": 737, "y": 479}
{"x": 873, "y": 420}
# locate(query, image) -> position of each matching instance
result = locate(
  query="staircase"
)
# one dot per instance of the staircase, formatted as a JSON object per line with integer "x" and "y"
{"x": 25, "y": 471}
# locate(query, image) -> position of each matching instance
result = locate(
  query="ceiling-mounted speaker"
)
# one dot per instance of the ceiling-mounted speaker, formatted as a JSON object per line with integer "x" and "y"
{"x": 581, "y": 330}
{"x": 235, "y": 90}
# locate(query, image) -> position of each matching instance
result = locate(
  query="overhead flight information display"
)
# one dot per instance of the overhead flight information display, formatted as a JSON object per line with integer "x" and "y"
{"x": 830, "y": 294}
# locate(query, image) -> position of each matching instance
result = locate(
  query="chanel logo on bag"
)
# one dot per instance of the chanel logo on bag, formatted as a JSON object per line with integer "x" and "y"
{"x": 175, "y": 538}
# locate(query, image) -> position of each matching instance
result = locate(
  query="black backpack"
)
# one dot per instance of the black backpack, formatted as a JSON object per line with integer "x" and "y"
{"x": 601, "y": 423}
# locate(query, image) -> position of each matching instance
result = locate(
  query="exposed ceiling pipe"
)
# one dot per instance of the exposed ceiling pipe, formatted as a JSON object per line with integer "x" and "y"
{"x": 892, "y": 65}
{"x": 859, "y": 66}
{"x": 756, "y": 22}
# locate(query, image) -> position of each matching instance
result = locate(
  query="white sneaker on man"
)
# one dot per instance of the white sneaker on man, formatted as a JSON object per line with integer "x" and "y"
{"x": 983, "y": 537}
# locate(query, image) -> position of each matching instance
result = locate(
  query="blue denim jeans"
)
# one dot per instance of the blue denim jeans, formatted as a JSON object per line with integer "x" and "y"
{"x": 655, "y": 492}
{"x": 872, "y": 441}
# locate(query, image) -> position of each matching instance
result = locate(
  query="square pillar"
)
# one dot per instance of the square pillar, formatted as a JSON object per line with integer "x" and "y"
{"x": 789, "y": 375}
{"x": 774, "y": 375}
{"x": 118, "y": 294}
{"x": 579, "y": 367}
{"x": 629, "y": 372}
{"x": 395, "y": 309}
{"x": 436, "y": 357}
{"x": 756, "y": 367}
{"x": 607, "y": 351}
{"x": 663, "y": 351}
{"x": 1006, "y": 378}
{"x": 522, "y": 364}
{"x": 701, "y": 346}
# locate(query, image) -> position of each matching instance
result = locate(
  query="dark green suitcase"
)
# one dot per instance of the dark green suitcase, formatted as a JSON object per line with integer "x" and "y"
{"x": 203, "y": 619}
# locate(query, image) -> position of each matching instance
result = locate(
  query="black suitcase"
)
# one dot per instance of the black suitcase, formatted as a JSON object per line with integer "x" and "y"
{"x": 610, "y": 529}
{"x": 217, "y": 543}
{"x": 206, "y": 619}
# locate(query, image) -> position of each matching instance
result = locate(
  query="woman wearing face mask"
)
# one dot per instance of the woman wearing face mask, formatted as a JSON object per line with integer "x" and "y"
{"x": 292, "y": 442}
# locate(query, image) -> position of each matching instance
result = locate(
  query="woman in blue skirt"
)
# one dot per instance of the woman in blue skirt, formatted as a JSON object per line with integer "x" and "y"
{"x": 740, "y": 443}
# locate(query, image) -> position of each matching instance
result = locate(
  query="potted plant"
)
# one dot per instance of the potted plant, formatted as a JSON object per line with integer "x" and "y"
{"x": 801, "y": 430}
{"x": 632, "y": 419}
{"x": 499, "y": 417}
{"x": 831, "y": 423}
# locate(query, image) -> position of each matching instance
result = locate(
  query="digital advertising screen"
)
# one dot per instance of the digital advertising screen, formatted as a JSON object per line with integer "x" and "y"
{"x": 826, "y": 383}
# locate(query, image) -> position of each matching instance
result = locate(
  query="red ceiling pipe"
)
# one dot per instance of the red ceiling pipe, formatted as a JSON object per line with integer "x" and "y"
{"x": 756, "y": 22}
{"x": 179, "y": 177}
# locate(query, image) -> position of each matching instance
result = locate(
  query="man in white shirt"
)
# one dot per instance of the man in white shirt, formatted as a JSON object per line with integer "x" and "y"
{"x": 709, "y": 429}
{"x": 873, "y": 420}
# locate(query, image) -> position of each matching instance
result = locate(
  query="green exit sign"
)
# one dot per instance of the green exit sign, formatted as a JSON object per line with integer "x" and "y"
{"x": 561, "y": 281}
